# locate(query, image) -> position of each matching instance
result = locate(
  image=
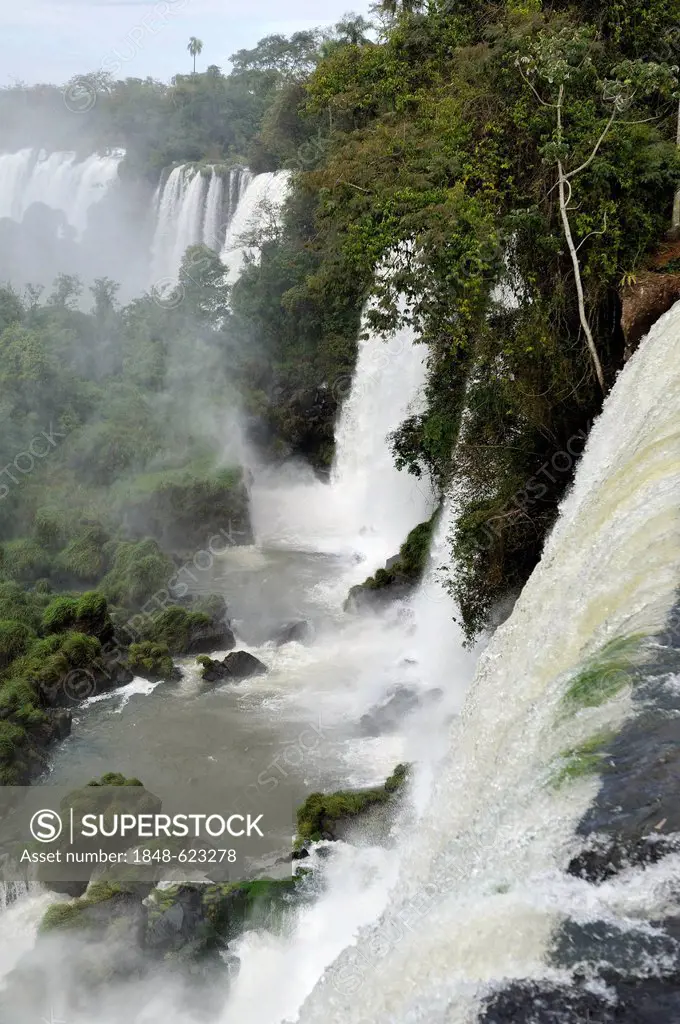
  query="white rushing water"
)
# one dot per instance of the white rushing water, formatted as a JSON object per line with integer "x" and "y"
{"x": 368, "y": 508}
{"x": 59, "y": 180}
{"x": 192, "y": 207}
{"x": 260, "y": 201}
{"x": 481, "y": 885}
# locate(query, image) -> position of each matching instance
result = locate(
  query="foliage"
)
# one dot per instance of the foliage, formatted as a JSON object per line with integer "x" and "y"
{"x": 175, "y": 628}
{"x": 151, "y": 660}
{"x": 138, "y": 572}
{"x": 320, "y": 814}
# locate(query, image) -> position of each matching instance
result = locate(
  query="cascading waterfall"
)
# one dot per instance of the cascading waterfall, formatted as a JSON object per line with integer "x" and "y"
{"x": 192, "y": 208}
{"x": 59, "y": 180}
{"x": 481, "y": 887}
{"x": 213, "y": 211}
{"x": 263, "y": 196}
{"x": 369, "y": 507}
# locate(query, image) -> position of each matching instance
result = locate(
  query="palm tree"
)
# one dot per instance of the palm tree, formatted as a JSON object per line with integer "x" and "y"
{"x": 195, "y": 47}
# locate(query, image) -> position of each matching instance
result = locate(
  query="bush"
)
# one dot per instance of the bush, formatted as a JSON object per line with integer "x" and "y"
{"x": 175, "y": 627}
{"x": 321, "y": 812}
{"x": 15, "y": 638}
{"x": 151, "y": 660}
{"x": 84, "y": 556}
{"x": 60, "y": 614}
{"x": 24, "y": 560}
{"x": 139, "y": 571}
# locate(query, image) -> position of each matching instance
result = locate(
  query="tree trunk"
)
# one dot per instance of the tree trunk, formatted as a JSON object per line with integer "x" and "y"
{"x": 577, "y": 274}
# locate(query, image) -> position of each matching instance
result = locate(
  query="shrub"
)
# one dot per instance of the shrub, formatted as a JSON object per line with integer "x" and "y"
{"x": 60, "y": 614}
{"x": 24, "y": 560}
{"x": 151, "y": 659}
{"x": 84, "y": 556}
{"x": 15, "y": 638}
{"x": 139, "y": 571}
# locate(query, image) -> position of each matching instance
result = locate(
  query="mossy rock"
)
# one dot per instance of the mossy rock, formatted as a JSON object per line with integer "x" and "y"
{"x": 102, "y": 902}
{"x": 151, "y": 660}
{"x": 401, "y": 573}
{"x": 322, "y": 813}
{"x": 199, "y": 918}
{"x": 186, "y": 631}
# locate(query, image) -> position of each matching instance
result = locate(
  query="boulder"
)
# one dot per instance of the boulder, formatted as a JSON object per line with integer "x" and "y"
{"x": 297, "y": 631}
{"x": 237, "y": 665}
{"x": 400, "y": 701}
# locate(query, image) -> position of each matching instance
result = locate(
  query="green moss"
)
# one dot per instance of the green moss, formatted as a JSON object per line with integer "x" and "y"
{"x": 321, "y": 812}
{"x": 151, "y": 659}
{"x": 261, "y": 903}
{"x": 582, "y": 761}
{"x": 606, "y": 673}
{"x": 411, "y": 564}
{"x": 114, "y": 779}
{"x": 70, "y": 915}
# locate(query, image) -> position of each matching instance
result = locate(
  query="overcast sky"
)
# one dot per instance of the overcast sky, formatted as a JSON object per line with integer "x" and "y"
{"x": 52, "y": 40}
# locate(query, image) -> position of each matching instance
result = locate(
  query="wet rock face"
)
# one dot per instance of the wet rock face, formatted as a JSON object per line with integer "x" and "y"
{"x": 237, "y": 665}
{"x": 292, "y": 632}
{"x": 644, "y": 302}
{"x": 400, "y": 701}
{"x": 649, "y": 1001}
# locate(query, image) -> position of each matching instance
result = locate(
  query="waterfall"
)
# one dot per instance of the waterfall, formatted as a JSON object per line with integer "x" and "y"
{"x": 213, "y": 211}
{"x": 189, "y": 209}
{"x": 59, "y": 180}
{"x": 262, "y": 197}
{"x": 379, "y": 505}
{"x": 369, "y": 507}
{"x": 481, "y": 886}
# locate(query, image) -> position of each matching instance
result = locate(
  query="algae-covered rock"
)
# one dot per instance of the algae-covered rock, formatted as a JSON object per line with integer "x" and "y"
{"x": 401, "y": 574}
{"x": 152, "y": 661}
{"x": 323, "y": 815}
{"x": 191, "y": 631}
{"x": 237, "y": 665}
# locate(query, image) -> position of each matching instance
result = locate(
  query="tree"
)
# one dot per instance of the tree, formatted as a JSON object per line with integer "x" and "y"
{"x": 293, "y": 58}
{"x": 352, "y": 30}
{"x": 563, "y": 61}
{"x": 195, "y": 46}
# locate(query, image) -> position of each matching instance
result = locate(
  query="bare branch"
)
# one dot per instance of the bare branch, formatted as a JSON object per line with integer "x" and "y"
{"x": 603, "y": 136}
{"x": 593, "y": 233}
{"x": 534, "y": 89}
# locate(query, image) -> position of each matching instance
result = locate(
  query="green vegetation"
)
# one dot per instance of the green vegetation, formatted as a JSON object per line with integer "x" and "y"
{"x": 606, "y": 673}
{"x": 73, "y": 914}
{"x": 582, "y": 761}
{"x": 408, "y": 570}
{"x": 442, "y": 141}
{"x": 151, "y": 660}
{"x": 138, "y": 572}
{"x": 321, "y": 813}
